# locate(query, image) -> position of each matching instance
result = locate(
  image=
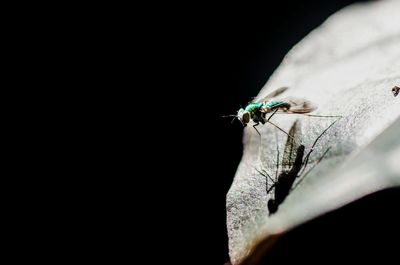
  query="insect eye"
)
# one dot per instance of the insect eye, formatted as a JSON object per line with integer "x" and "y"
{"x": 246, "y": 117}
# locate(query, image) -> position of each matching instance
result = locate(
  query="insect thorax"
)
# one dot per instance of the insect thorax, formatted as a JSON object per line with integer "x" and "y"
{"x": 252, "y": 107}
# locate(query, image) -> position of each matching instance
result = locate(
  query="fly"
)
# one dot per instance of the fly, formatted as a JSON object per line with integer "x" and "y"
{"x": 257, "y": 110}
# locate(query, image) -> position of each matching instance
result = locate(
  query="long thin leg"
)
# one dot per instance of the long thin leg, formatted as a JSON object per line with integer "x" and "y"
{"x": 281, "y": 130}
{"x": 312, "y": 147}
{"x": 254, "y": 126}
{"x": 265, "y": 174}
{"x": 324, "y": 116}
{"x": 271, "y": 115}
{"x": 311, "y": 115}
{"x": 270, "y": 188}
{"x": 277, "y": 156}
{"x": 308, "y": 171}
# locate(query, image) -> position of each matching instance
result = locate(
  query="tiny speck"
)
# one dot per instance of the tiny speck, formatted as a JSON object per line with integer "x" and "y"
{"x": 396, "y": 90}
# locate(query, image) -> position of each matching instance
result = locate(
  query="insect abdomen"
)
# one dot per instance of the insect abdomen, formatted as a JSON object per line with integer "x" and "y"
{"x": 277, "y": 104}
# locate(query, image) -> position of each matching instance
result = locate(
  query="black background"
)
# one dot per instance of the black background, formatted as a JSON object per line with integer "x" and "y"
{"x": 214, "y": 60}
{"x": 196, "y": 62}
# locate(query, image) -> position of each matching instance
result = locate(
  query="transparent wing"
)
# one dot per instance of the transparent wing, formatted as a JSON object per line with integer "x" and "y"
{"x": 298, "y": 105}
{"x": 273, "y": 94}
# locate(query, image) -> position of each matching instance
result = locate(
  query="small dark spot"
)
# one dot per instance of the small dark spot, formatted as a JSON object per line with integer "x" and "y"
{"x": 396, "y": 91}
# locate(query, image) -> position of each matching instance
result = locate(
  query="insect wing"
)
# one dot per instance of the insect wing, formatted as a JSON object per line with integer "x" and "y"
{"x": 293, "y": 105}
{"x": 298, "y": 105}
{"x": 273, "y": 94}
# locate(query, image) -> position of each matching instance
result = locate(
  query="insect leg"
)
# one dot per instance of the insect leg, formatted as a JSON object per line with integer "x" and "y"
{"x": 254, "y": 126}
{"x": 312, "y": 147}
{"x": 271, "y": 115}
{"x": 281, "y": 130}
{"x": 323, "y": 116}
{"x": 270, "y": 188}
{"x": 308, "y": 171}
{"x": 265, "y": 174}
{"x": 277, "y": 156}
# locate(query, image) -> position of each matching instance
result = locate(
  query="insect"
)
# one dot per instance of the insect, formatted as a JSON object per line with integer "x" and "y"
{"x": 283, "y": 183}
{"x": 396, "y": 91}
{"x": 257, "y": 110}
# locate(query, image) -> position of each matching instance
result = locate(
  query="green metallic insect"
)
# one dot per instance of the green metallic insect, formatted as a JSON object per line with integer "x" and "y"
{"x": 256, "y": 111}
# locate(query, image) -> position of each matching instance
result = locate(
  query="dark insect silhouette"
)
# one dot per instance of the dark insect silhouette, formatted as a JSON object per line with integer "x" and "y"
{"x": 396, "y": 91}
{"x": 282, "y": 184}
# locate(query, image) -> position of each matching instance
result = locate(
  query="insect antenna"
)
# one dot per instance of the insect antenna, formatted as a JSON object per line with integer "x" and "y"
{"x": 228, "y": 116}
